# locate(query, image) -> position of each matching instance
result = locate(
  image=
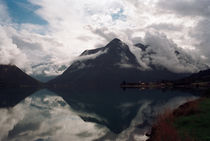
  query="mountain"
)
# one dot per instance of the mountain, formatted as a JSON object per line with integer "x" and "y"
{"x": 108, "y": 67}
{"x": 43, "y": 68}
{"x": 202, "y": 77}
{"x": 172, "y": 58}
{"x": 12, "y": 76}
{"x": 141, "y": 46}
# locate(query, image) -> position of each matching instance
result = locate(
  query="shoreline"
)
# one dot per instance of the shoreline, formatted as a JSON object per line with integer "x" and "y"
{"x": 166, "y": 85}
{"x": 173, "y": 124}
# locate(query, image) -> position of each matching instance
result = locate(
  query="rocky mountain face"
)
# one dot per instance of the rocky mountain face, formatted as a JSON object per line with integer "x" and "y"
{"x": 108, "y": 67}
{"x": 172, "y": 58}
{"x": 12, "y": 76}
{"x": 202, "y": 76}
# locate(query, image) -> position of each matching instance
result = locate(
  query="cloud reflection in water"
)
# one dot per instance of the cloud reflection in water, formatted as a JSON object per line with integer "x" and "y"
{"x": 47, "y": 116}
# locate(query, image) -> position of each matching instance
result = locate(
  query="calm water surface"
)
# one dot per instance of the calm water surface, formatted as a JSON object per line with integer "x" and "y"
{"x": 70, "y": 115}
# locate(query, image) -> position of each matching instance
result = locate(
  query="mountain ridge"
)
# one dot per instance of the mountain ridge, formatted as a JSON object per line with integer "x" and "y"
{"x": 12, "y": 76}
{"x": 106, "y": 66}
{"x": 114, "y": 64}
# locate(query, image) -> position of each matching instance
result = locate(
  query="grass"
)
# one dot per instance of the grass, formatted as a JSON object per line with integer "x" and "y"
{"x": 196, "y": 125}
{"x": 190, "y": 122}
{"x": 163, "y": 129}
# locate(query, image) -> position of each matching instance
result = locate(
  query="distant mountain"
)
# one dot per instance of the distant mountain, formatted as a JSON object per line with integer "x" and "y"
{"x": 12, "y": 76}
{"x": 42, "y": 77}
{"x": 108, "y": 67}
{"x": 141, "y": 46}
{"x": 202, "y": 76}
{"x": 157, "y": 57}
{"x": 43, "y": 68}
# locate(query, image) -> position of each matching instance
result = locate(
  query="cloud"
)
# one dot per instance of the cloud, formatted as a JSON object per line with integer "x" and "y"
{"x": 9, "y": 52}
{"x": 4, "y": 16}
{"x": 8, "y": 119}
{"x": 199, "y": 12}
{"x": 74, "y": 26}
{"x": 163, "y": 52}
{"x": 201, "y": 35}
{"x": 39, "y": 117}
{"x": 104, "y": 33}
{"x": 39, "y": 53}
{"x": 187, "y": 8}
{"x": 165, "y": 26}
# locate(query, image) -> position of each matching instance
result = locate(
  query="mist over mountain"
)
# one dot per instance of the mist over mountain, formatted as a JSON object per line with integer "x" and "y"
{"x": 110, "y": 65}
{"x": 159, "y": 51}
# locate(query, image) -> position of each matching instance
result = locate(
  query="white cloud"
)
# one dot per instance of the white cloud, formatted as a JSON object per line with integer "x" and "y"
{"x": 9, "y": 52}
{"x": 9, "y": 118}
{"x": 4, "y": 16}
{"x": 47, "y": 117}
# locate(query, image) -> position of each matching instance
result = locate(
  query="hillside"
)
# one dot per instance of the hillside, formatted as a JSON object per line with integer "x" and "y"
{"x": 12, "y": 76}
{"x": 108, "y": 67}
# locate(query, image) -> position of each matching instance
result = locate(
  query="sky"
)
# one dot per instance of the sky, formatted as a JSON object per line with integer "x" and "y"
{"x": 45, "y": 36}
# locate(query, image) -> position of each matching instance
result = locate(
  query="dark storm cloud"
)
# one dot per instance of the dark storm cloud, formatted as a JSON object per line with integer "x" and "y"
{"x": 199, "y": 11}
{"x": 23, "y": 44}
{"x": 164, "y": 54}
{"x": 103, "y": 32}
{"x": 187, "y": 7}
{"x": 202, "y": 35}
{"x": 165, "y": 26}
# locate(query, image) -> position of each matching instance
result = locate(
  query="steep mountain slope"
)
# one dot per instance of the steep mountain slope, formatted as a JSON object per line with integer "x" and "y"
{"x": 12, "y": 76}
{"x": 200, "y": 77}
{"x": 168, "y": 57}
{"x": 108, "y": 67}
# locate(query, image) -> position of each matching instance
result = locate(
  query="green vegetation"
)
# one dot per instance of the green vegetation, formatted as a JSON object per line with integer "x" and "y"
{"x": 189, "y": 122}
{"x": 196, "y": 125}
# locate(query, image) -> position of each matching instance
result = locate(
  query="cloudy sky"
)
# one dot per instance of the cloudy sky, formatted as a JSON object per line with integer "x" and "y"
{"x": 44, "y": 36}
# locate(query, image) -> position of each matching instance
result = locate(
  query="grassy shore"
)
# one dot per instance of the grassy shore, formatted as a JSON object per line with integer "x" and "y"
{"x": 196, "y": 125}
{"x": 189, "y": 122}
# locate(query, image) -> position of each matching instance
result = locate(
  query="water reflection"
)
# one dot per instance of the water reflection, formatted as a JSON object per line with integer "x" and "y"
{"x": 45, "y": 116}
{"x": 86, "y": 115}
{"x": 10, "y": 97}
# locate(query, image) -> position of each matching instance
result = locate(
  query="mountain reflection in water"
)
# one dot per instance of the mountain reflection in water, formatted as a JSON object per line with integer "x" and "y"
{"x": 85, "y": 115}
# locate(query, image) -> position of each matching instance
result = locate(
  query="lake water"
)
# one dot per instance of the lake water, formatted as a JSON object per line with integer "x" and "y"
{"x": 71, "y": 115}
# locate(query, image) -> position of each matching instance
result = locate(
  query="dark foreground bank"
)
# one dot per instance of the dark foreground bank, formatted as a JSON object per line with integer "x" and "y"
{"x": 189, "y": 122}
